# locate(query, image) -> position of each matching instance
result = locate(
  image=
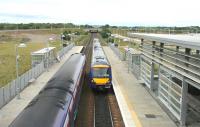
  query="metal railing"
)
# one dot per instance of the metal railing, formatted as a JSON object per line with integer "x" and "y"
{"x": 133, "y": 60}
{"x": 9, "y": 91}
{"x": 63, "y": 51}
{"x": 116, "y": 51}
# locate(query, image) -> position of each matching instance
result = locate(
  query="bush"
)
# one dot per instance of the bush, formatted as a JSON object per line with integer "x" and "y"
{"x": 111, "y": 40}
{"x": 67, "y": 36}
{"x": 105, "y": 33}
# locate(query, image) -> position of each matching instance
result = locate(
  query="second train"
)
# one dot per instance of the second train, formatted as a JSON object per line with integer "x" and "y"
{"x": 100, "y": 76}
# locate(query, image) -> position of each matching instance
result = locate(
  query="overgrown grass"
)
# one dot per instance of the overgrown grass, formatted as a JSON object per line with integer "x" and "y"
{"x": 7, "y": 57}
{"x": 121, "y": 49}
{"x": 102, "y": 40}
{"x": 8, "y": 63}
{"x": 48, "y": 31}
{"x": 82, "y": 40}
{"x": 131, "y": 44}
{"x": 122, "y": 32}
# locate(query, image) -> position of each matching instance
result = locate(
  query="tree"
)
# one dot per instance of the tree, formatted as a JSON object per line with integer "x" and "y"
{"x": 77, "y": 33}
{"x": 105, "y": 33}
{"x": 111, "y": 40}
{"x": 66, "y": 35}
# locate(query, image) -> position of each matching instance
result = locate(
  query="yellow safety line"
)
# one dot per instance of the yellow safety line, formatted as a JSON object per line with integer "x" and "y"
{"x": 133, "y": 113}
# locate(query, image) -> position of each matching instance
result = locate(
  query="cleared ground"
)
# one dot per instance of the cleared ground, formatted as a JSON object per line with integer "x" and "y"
{"x": 35, "y": 40}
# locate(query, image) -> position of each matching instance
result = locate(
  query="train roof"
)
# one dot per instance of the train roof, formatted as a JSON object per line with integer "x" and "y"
{"x": 98, "y": 56}
{"x": 49, "y": 108}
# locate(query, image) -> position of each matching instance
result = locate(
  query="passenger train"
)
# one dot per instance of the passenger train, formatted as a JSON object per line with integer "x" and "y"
{"x": 56, "y": 104}
{"x": 100, "y": 75}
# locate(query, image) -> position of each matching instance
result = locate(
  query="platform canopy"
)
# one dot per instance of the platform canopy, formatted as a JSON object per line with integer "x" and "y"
{"x": 46, "y": 55}
{"x": 43, "y": 51}
{"x": 184, "y": 40}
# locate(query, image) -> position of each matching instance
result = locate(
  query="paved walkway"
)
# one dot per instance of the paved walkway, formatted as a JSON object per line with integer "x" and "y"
{"x": 134, "y": 100}
{"x": 14, "y": 107}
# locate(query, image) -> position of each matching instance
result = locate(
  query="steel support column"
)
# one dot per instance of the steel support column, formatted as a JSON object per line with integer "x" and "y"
{"x": 152, "y": 70}
{"x": 184, "y": 102}
{"x": 161, "y": 49}
{"x": 197, "y": 52}
{"x": 177, "y": 48}
{"x": 187, "y": 52}
{"x": 184, "y": 93}
{"x": 142, "y": 40}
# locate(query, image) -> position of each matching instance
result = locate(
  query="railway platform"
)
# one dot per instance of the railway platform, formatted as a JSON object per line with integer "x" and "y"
{"x": 15, "y": 106}
{"x": 137, "y": 106}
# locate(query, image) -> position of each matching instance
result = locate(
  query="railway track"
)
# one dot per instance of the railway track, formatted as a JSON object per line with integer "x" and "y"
{"x": 85, "y": 114}
{"x": 97, "y": 109}
{"x": 117, "y": 119}
{"x": 102, "y": 113}
{"x": 107, "y": 112}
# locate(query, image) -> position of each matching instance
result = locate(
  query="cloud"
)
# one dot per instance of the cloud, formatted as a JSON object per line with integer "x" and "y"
{"x": 116, "y": 12}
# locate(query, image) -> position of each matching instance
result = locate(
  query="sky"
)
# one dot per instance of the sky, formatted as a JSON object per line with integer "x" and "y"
{"x": 100, "y": 12}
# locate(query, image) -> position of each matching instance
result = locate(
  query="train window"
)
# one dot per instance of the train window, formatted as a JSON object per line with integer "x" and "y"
{"x": 100, "y": 72}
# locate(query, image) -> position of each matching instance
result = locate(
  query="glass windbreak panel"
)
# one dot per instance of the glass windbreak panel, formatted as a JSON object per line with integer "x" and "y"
{"x": 163, "y": 98}
{"x": 100, "y": 72}
{"x": 177, "y": 104}
{"x": 176, "y": 87}
{"x": 175, "y": 109}
{"x": 37, "y": 58}
{"x": 175, "y": 95}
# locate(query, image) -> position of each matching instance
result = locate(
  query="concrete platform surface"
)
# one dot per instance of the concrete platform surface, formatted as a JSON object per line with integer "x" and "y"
{"x": 15, "y": 106}
{"x": 138, "y": 107}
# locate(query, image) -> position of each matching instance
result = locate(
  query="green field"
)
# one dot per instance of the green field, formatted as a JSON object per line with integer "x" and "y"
{"x": 122, "y": 32}
{"x": 82, "y": 40}
{"x": 7, "y": 60}
{"x": 8, "y": 55}
{"x": 103, "y": 41}
{"x": 131, "y": 44}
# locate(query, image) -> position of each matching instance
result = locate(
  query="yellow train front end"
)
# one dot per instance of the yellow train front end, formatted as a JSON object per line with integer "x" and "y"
{"x": 100, "y": 77}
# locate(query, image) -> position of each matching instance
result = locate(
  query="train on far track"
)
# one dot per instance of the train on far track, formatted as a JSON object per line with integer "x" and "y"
{"x": 100, "y": 76}
{"x": 56, "y": 104}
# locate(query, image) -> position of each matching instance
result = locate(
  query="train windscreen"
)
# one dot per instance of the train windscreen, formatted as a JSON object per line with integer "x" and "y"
{"x": 100, "y": 72}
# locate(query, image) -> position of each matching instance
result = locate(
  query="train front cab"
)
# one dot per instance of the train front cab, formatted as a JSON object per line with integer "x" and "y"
{"x": 100, "y": 77}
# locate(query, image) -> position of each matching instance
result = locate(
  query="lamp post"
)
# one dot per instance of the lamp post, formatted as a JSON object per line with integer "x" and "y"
{"x": 62, "y": 36}
{"x": 22, "y": 45}
{"x": 47, "y": 44}
{"x": 73, "y": 38}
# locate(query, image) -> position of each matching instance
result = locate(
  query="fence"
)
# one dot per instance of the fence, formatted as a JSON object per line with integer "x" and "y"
{"x": 9, "y": 91}
{"x": 116, "y": 51}
{"x": 65, "y": 50}
{"x": 133, "y": 60}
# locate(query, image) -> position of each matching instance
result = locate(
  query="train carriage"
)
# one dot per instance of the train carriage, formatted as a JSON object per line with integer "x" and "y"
{"x": 100, "y": 71}
{"x": 56, "y": 104}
